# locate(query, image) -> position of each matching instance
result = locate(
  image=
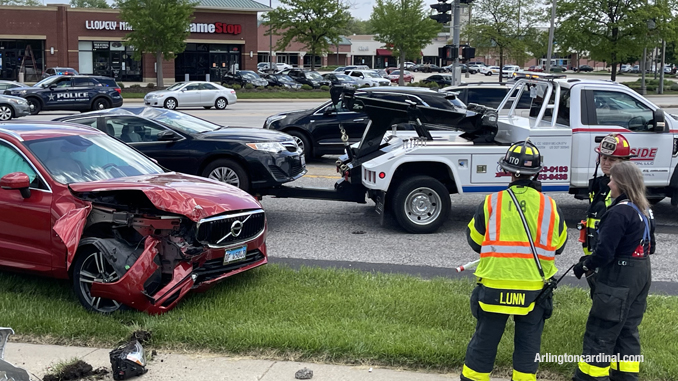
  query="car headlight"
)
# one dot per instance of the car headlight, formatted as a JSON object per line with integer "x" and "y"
{"x": 19, "y": 92}
{"x": 271, "y": 119}
{"x": 273, "y": 147}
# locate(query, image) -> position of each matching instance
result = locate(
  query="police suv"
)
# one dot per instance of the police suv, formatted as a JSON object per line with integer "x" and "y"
{"x": 72, "y": 93}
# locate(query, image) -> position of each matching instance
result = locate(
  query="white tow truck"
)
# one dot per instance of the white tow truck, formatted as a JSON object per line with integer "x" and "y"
{"x": 413, "y": 176}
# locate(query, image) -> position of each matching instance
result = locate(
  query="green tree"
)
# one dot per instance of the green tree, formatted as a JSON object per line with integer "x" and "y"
{"x": 159, "y": 27}
{"x": 355, "y": 26}
{"x": 316, "y": 24}
{"x": 504, "y": 25}
{"x": 29, "y": 3}
{"x": 537, "y": 43}
{"x": 89, "y": 4}
{"x": 388, "y": 20}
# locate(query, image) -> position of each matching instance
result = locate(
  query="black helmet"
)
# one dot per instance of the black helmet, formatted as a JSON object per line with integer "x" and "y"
{"x": 522, "y": 158}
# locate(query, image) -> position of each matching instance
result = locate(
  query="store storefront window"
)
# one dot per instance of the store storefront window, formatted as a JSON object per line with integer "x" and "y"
{"x": 198, "y": 60}
{"x": 110, "y": 59}
{"x": 14, "y": 52}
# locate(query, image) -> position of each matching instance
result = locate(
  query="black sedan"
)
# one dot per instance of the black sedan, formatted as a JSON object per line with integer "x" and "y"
{"x": 317, "y": 130}
{"x": 584, "y": 68}
{"x": 242, "y": 78}
{"x": 281, "y": 80}
{"x": 306, "y": 77}
{"x": 441, "y": 79}
{"x": 337, "y": 79}
{"x": 250, "y": 158}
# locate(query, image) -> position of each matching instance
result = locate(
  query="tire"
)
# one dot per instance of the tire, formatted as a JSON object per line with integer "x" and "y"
{"x": 207, "y": 107}
{"x": 489, "y": 74}
{"x": 229, "y": 172}
{"x": 35, "y": 105}
{"x": 6, "y": 112}
{"x": 421, "y": 204}
{"x": 170, "y": 104}
{"x": 100, "y": 104}
{"x": 85, "y": 270}
{"x": 220, "y": 103}
{"x": 303, "y": 142}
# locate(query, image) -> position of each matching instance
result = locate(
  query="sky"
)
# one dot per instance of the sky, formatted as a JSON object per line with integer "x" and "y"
{"x": 360, "y": 9}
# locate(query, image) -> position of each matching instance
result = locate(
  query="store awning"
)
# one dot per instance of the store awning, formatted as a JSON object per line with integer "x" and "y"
{"x": 383, "y": 52}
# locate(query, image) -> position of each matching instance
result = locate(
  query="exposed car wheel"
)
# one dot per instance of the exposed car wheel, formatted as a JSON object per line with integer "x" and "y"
{"x": 489, "y": 73}
{"x": 220, "y": 103}
{"x": 229, "y": 172}
{"x": 91, "y": 266}
{"x": 170, "y": 103}
{"x": 35, "y": 105}
{"x": 421, "y": 204}
{"x": 207, "y": 107}
{"x": 100, "y": 104}
{"x": 302, "y": 141}
{"x": 6, "y": 112}
{"x": 412, "y": 80}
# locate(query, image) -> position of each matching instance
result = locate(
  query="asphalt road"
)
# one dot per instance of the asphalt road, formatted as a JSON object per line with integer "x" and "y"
{"x": 329, "y": 233}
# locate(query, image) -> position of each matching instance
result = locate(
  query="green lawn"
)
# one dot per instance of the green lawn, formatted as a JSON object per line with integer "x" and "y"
{"x": 324, "y": 315}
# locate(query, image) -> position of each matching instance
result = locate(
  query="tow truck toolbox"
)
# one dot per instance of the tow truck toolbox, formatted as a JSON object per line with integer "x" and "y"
{"x": 412, "y": 177}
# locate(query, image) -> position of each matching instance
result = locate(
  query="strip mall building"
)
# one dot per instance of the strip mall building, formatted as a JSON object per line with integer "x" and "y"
{"x": 223, "y": 35}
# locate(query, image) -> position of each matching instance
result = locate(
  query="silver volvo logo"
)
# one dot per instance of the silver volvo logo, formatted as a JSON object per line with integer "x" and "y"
{"x": 236, "y": 228}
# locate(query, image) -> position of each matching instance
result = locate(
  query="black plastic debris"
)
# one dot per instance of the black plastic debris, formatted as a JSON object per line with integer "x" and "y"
{"x": 128, "y": 360}
{"x": 304, "y": 374}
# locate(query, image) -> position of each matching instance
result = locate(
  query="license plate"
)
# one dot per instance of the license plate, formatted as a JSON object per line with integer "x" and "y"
{"x": 235, "y": 254}
{"x": 303, "y": 160}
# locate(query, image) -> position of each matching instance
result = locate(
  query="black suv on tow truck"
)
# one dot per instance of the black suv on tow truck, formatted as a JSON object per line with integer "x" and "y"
{"x": 71, "y": 93}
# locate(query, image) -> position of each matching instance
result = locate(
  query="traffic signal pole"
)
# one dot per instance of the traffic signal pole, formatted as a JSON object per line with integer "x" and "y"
{"x": 455, "y": 41}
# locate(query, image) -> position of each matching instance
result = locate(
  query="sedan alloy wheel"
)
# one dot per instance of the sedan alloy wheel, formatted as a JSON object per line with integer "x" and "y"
{"x": 170, "y": 103}
{"x": 93, "y": 267}
{"x": 221, "y": 103}
{"x": 227, "y": 171}
{"x": 6, "y": 112}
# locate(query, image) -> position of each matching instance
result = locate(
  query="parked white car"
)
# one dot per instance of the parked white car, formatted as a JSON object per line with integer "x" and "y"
{"x": 368, "y": 77}
{"x": 508, "y": 70}
{"x": 191, "y": 94}
{"x": 489, "y": 70}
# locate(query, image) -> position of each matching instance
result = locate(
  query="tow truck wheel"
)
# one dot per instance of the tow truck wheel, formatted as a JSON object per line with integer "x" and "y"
{"x": 421, "y": 204}
{"x": 90, "y": 267}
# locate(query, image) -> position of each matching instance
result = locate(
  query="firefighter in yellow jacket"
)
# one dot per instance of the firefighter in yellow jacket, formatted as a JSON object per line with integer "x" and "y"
{"x": 517, "y": 249}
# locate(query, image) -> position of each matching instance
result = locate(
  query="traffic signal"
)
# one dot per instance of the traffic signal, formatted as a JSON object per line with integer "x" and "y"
{"x": 442, "y": 16}
{"x": 468, "y": 53}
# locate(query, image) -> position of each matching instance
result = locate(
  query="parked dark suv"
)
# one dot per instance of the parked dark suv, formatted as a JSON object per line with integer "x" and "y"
{"x": 305, "y": 77}
{"x": 70, "y": 92}
{"x": 242, "y": 78}
{"x": 316, "y": 131}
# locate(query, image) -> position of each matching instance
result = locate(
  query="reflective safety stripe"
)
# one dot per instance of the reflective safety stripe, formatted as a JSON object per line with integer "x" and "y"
{"x": 520, "y": 376}
{"x": 594, "y": 371}
{"x": 507, "y": 310}
{"x": 626, "y": 366}
{"x": 501, "y": 249}
{"x": 513, "y": 284}
{"x": 473, "y": 375}
{"x": 520, "y": 243}
{"x": 475, "y": 236}
{"x": 514, "y": 255}
{"x": 492, "y": 223}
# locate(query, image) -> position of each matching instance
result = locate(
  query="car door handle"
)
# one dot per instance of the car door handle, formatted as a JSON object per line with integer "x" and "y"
{"x": 599, "y": 139}
{"x": 359, "y": 120}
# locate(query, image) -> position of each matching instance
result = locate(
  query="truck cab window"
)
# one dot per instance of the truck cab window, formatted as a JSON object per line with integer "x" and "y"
{"x": 620, "y": 109}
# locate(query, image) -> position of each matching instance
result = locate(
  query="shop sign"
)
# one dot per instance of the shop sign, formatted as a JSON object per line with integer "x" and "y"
{"x": 100, "y": 45}
{"x": 217, "y": 27}
{"x": 363, "y": 48}
{"x": 107, "y": 25}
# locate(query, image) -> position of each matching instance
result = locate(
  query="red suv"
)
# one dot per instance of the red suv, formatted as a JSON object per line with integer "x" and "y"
{"x": 76, "y": 203}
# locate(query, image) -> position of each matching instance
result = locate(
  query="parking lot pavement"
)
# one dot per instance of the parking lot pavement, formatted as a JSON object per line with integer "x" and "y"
{"x": 37, "y": 359}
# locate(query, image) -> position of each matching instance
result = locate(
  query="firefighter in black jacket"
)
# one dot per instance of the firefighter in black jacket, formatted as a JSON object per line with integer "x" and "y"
{"x": 621, "y": 258}
{"x": 614, "y": 148}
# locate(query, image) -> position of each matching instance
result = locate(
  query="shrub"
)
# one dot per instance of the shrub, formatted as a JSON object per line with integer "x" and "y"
{"x": 431, "y": 85}
{"x": 325, "y": 88}
{"x": 135, "y": 86}
{"x": 122, "y": 85}
{"x": 260, "y": 87}
{"x": 651, "y": 87}
{"x": 236, "y": 87}
{"x": 249, "y": 86}
{"x": 151, "y": 85}
{"x": 306, "y": 87}
{"x": 674, "y": 87}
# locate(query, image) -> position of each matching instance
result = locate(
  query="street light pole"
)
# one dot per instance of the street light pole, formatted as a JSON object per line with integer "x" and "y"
{"x": 270, "y": 44}
{"x": 455, "y": 41}
{"x": 550, "y": 48}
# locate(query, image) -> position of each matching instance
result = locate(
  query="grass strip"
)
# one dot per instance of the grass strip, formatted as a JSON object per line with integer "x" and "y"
{"x": 326, "y": 315}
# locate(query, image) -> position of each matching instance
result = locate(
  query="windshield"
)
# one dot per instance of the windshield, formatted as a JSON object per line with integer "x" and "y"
{"x": 249, "y": 74}
{"x": 83, "y": 158}
{"x": 395, "y": 72}
{"x": 314, "y": 75}
{"x": 182, "y": 122}
{"x": 47, "y": 81}
{"x": 372, "y": 74}
{"x": 343, "y": 78}
{"x": 176, "y": 86}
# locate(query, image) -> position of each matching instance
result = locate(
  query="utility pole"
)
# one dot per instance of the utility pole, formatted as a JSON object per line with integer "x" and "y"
{"x": 455, "y": 41}
{"x": 550, "y": 48}
{"x": 661, "y": 67}
{"x": 270, "y": 45}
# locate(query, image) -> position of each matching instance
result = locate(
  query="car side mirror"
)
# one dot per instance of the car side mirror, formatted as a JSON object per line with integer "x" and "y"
{"x": 52, "y": 86}
{"x": 659, "y": 120}
{"x": 329, "y": 110}
{"x": 165, "y": 136}
{"x": 182, "y": 90}
{"x": 17, "y": 181}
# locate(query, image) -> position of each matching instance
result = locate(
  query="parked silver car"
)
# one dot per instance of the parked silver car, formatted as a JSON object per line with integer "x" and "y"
{"x": 194, "y": 93}
{"x": 13, "y": 107}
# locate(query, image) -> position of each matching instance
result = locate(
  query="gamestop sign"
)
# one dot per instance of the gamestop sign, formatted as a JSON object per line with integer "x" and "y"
{"x": 217, "y": 27}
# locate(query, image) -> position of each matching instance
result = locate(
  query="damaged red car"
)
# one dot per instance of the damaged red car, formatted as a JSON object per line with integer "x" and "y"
{"x": 77, "y": 204}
